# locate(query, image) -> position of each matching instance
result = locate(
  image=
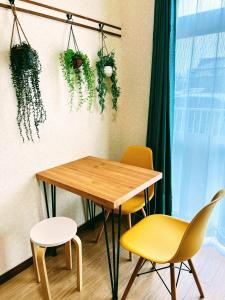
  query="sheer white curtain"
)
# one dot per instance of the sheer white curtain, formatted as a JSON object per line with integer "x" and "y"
{"x": 198, "y": 152}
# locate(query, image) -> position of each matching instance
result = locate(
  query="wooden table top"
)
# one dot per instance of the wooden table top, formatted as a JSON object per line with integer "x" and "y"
{"x": 108, "y": 183}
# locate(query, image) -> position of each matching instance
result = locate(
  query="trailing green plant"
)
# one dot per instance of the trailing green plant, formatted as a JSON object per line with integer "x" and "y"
{"x": 66, "y": 63}
{"x": 107, "y": 60}
{"x": 78, "y": 73}
{"x": 25, "y": 69}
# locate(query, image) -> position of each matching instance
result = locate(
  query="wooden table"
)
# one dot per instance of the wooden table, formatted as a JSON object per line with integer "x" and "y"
{"x": 108, "y": 184}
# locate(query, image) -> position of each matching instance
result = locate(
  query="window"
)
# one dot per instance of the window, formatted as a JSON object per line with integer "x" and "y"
{"x": 198, "y": 156}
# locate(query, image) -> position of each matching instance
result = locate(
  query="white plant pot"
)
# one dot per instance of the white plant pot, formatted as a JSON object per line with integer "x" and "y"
{"x": 108, "y": 70}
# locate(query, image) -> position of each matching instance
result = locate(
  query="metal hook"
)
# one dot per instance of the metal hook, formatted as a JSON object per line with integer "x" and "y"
{"x": 101, "y": 26}
{"x": 69, "y": 16}
{"x": 12, "y": 2}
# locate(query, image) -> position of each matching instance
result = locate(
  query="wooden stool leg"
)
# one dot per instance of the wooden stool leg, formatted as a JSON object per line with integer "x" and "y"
{"x": 102, "y": 228}
{"x": 43, "y": 273}
{"x": 129, "y": 226}
{"x": 78, "y": 247}
{"x": 68, "y": 253}
{"x": 133, "y": 276}
{"x": 196, "y": 278}
{"x": 34, "y": 254}
{"x": 172, "y": 282}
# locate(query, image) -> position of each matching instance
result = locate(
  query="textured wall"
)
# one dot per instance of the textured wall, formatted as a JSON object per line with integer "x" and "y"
{"x": 65, "y": 135}
{"x": 137, "y": 23}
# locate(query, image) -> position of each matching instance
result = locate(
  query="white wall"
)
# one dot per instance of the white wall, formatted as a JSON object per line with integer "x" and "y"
{"x": 137, "y": 24}
{"x": 66, "y": 136}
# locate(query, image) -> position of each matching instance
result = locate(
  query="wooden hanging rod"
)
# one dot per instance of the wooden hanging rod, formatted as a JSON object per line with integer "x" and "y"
{"x": 70, "y": 13}
{"x": 31, "y": 12}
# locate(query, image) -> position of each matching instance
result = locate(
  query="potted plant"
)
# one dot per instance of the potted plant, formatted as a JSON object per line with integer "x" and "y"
{"x": 106, "y": 68}
{"x": 25, "y": 69}
{"x": 78, "y": 72}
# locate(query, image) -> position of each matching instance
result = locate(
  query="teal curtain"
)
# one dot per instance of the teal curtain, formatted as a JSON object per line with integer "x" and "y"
{"x": 161, "y": 97}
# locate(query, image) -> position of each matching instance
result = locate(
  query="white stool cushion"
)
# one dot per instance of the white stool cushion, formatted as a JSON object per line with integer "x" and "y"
{"x": 53, "y": 232}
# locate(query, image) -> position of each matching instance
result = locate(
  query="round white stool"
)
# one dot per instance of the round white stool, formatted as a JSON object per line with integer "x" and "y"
{"x": 53, "y": 232}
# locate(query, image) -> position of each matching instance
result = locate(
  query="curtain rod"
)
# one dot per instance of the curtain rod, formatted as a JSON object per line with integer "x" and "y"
{"x": 70, "y": 13}
{"x": 31, "y": 12}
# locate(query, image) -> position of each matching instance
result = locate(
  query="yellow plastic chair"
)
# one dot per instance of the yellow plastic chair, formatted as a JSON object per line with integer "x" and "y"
{"x": 139, "y": 156}
{"x": 163, "y": 239}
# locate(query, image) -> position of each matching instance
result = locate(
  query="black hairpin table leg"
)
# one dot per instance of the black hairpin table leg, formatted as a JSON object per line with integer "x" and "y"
{"x": 113, "y": 255}
{"x": 53, "y": 194}
{"x": 46, "y": 199}
{"x": 91, "y": 212}
{"x": 147, "y": 209}
{"x": 53, "y": 198}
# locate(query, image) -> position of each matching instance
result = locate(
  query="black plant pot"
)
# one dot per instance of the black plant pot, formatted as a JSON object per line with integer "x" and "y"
{"x": 22, "y": 57}
{"x": 77, "y": 62}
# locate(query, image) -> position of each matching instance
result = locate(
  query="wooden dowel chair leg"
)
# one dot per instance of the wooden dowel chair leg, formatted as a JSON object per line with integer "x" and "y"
{"x": 132, "y": 278}
{"x": 196, "y": 278}
{"x": 143, "y": 212}
{"x": 172, "y": 282}
{"x": 78, "y": 248}
{"x": 129, "y": 226}
{"x": 43, "y": 273}
{"x": 102, "y": 228}
{"x": 34, "y": 254}
{"x": 68, "y": 253}
{"x": 153, "y": 265}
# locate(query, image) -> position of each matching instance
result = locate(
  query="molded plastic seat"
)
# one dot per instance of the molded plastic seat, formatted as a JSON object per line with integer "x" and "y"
{"x": 139, "y": 156}
{"x": 135, "y": 204}
{"x": 53, "y": 231}
{"x": 164, "y": 239}
{"x": 155, "y": 238}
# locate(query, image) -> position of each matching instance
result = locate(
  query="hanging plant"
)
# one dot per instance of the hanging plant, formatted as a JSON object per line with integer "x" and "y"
{"x": 78, "y": 73}
{"x": 25, "y": 69}
{"x": 106, "y": 68}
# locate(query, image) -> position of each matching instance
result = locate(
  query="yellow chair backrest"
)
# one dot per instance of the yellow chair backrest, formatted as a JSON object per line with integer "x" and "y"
{"x": 139, "y": 156}
{"x": 194, "y": 234}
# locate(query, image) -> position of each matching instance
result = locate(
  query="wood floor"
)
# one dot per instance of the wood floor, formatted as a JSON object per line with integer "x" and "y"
{"x": 209, "y": 264}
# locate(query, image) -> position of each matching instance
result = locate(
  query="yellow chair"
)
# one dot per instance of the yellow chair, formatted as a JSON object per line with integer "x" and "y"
{"x": 163, "y": 239}
{"x": 139, "y": 156}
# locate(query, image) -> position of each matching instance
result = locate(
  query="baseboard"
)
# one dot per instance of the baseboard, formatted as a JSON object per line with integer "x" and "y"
{"x": 16, "y": 270}
{"x": 88, "y": 224}
{"x": 27, "y": 263}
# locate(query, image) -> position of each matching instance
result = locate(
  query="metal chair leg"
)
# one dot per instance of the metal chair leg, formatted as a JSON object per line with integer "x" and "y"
{"x": 196, "y": 278}
{"x": 143, "y": 212}
{"x": 132, "y": 278}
